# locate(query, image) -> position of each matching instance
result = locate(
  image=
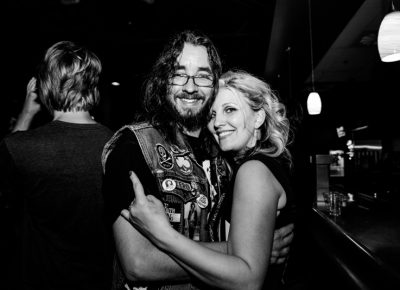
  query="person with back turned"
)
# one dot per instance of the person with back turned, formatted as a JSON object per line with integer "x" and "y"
{"x": 52, "y": 177}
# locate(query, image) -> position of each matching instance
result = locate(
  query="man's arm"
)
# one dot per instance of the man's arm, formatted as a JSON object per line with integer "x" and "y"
{"x": 140, "y": 259}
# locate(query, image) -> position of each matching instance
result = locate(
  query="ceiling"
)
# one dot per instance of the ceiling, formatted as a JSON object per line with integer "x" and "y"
{"x": 268, "y": 38}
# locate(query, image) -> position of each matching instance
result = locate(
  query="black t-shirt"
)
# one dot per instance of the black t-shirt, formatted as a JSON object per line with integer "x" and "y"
{"x": 51, "y": 177}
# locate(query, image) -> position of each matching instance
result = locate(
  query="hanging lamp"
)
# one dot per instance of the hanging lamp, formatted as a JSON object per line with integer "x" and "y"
{"x": 314, "y": 104}
{"x": 389, "y": 37}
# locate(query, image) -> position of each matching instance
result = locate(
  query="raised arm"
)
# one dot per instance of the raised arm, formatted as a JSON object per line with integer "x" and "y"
{"x": 30, "y": 109}
{"x": 255, "y": 201}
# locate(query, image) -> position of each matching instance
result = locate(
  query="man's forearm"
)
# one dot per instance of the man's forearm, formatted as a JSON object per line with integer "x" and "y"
{"x": 143, "y": 261}
{"x": 140, "y": 259}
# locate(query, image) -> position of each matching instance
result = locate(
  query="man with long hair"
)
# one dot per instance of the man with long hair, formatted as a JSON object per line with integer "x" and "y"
{"x": 176, "y": 160}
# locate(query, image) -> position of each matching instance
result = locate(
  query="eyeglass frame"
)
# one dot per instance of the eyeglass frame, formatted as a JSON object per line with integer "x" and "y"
{"x": 193, "y": 78}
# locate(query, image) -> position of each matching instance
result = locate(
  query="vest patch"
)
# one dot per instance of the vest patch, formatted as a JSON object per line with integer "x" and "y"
{"x": 169, "y": 184}
{"x": 184, "y": 164}
{"x": 202, "y": 201}
{"x": 174, "y": 208}
{"x": 175, "y": 149}
{"x": 164, "y": 157}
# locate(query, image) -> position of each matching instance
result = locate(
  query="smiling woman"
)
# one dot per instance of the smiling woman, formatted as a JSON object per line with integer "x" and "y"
{"x": 233, "y": 123}
{"x": 246, "y": 114}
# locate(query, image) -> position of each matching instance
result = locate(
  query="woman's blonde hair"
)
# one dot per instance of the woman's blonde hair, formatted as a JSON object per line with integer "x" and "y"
{"x": 274, "y": 132}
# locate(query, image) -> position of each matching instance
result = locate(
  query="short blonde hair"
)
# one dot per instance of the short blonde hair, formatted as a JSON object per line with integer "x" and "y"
{"x": 68, "y": 78}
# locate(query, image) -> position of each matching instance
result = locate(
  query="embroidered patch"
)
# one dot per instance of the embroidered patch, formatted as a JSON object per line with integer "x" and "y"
{"x": 168, "y": 184}
{"x": 177, "y": 150}
{"x": 183, "y": 185}
{"x": 202, "y": 201}
{"x": 173, "y": 213}
{"x": 184, "y": 164}
{"x": 194, "y": 187}
{"x": 164, "y": 157}
{"x": 174, "y": 217}
{"x": 221, "y": 168}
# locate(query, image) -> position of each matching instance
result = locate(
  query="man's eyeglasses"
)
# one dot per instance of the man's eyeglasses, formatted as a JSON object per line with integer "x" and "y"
{"x": 200, "y": 81}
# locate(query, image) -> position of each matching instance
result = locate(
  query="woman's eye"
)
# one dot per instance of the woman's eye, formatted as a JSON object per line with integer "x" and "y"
{"x": 229, "y": 110}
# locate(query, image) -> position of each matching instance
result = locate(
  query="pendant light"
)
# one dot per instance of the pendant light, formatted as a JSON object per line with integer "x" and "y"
{"x": 314, "y": 103}
{"x": 389, "y": 37}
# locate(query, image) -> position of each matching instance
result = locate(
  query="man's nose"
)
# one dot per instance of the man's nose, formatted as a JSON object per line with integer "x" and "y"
{"x": 190, "y": 87}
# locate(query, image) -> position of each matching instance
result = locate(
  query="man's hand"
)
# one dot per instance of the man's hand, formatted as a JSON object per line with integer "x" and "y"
{"x": 147, "y": 213}
{"x": 283, "y": 237}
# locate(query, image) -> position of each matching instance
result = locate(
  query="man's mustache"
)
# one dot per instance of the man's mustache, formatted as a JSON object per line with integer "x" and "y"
{"x": 190, "y": 96}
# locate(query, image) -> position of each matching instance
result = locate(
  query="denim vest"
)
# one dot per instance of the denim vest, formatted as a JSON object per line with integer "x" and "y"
{"x": 180, "y": 179}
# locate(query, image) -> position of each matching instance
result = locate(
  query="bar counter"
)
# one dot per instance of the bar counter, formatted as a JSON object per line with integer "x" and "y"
{"x": 362, "y": 245}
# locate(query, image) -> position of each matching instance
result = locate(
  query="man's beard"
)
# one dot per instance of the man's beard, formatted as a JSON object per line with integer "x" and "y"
{"x": 191, "y": 121}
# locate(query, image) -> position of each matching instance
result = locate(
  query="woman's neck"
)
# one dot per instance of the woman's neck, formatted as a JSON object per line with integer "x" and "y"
{"x": 78, "y": 117}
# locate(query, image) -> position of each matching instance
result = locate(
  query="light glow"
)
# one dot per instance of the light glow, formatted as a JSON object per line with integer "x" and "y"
{"x": 389, "y": 37}
{"x": 314, "y": 104}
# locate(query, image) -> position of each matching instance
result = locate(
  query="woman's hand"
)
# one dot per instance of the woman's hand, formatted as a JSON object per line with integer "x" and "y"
{"x": 147, "y": 213}
{"x": 31, "y": 105}
{"x": 30, "y": 109}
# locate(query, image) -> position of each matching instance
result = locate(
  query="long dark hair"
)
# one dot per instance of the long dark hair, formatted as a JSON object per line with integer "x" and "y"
{"x": 157, "y": 86}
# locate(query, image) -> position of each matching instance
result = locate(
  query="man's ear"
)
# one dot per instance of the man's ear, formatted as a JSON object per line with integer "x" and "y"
{"x": 260, "y": 118}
